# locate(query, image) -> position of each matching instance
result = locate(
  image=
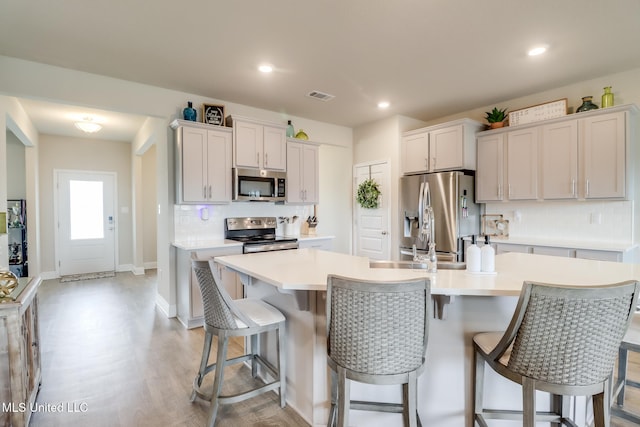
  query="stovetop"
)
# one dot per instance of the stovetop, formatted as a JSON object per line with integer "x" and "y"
{"x": 254, "y": 231}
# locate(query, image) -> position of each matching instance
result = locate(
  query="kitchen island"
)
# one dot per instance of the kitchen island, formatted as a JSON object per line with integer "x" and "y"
{"x": 295, "y": 282}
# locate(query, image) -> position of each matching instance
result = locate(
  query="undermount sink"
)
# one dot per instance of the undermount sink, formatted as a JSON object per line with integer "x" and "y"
{"x": 442, "y": 265}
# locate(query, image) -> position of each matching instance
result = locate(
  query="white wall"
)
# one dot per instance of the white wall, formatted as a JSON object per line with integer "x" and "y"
{"x": 33, "y": 80}
{"x": 16, "y": 168}
{"x": 150, "y": 242}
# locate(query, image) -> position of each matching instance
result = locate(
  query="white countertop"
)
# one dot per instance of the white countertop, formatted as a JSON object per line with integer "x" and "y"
{"x": 194, "y": 245}
{"x": 307, "y": 269}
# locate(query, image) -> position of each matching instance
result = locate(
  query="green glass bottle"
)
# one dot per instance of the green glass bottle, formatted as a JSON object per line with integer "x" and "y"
{"x": 607, "y": 97}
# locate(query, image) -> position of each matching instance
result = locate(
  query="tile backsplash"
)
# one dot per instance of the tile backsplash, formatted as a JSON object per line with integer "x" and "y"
{"x": 607, "y": 221}
{"x": 190, "y": 225}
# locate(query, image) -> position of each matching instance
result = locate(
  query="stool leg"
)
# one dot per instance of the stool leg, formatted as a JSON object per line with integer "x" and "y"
{"x": 334, "y": 398}
{"x": 255, "y": 349}
{"x": 344, "y": 396}
{"x": 602, "y": 405}
{"x": 410, "y": 399}
{"x": 528, "y": 402}
{"x": 622, "y": 375}
{"x": 203, "y": 363}
{"x": 223, "y": 342}
{"x": 282, "y": 365}
{"x": 478, "y": 385}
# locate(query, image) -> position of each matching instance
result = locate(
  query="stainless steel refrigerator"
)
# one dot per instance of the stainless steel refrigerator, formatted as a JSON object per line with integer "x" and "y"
{"x": 455, "y": 215}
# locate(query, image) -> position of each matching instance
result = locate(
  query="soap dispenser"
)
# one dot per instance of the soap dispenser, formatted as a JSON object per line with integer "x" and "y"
{"x": 473, "y": 257}
{"x": 488, "y": 256}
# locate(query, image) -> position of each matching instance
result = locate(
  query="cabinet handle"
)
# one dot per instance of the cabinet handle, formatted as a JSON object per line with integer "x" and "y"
{"x": 305, "y": 194}
{"x": 426, "y": 163}
{"x": 573, "y": 187}
{"x": 301, "y": 195}
{"x": 258, "y": 158}
{"x": 509, "y": 190}
{"x": 433, "y": 163}
{"x": 266, "y": 159}
{"x": 499, "y": 191}
{"x": 209, "y": 191}
{"x": 586, "y": 187}
{"x": 204, "y": 191}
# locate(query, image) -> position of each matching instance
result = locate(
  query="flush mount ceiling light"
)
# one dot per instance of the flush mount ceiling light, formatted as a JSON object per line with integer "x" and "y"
{"x": 88, "y": 125}
{"x": 383, "y": 104}
{"x": 265, "y": 68}
{"x": 538, "y": 50}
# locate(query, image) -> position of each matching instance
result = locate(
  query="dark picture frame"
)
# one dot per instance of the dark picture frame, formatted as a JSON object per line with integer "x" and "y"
{"x": 213, "y": 114}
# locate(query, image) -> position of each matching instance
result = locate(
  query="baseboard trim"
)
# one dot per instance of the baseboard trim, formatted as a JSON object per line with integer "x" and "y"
{"x": 165, "y": 307}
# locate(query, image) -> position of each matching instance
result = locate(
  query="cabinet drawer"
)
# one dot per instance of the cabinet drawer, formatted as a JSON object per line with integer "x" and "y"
{"x": 503, "y": 248}
{"x": 599, "y": 255}
{"x": 546, "y": 250}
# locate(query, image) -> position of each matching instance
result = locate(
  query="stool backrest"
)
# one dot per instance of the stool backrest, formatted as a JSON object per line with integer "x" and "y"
{"x": 219, "y": 309}
{"x": 569, "y": 335}
{"x": 377, "y": 328}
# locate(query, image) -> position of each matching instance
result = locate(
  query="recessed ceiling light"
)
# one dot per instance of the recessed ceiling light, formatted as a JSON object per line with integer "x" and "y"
{"x": 383, "y": 104}
{"x": 538, "y": 50}
{"x": 88, "y": 125}
{"x": 265, "y": 68}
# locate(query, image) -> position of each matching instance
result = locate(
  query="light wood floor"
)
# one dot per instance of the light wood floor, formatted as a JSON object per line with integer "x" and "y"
{"x": 108, "y": 352}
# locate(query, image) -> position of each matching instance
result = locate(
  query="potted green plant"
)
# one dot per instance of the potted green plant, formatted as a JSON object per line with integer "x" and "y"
{"x": 496, "y": 117}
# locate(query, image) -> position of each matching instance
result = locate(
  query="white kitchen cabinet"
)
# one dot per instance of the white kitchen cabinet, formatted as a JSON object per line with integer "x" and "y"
{"x": 323, "y": 243}
{"x": 582, "y": 156}
{"x": 522, "y": 164}
{"x": 559, "y": 161}
{"x": 447, "y": 146}
{"x": 603, "y": 154}
{"x": 203, "y": 163}
{"x": 490, "y": 172}
{"x": 302, "y": 172}
{"x": 189, "y": 302}
{"x": 258, "y": 144}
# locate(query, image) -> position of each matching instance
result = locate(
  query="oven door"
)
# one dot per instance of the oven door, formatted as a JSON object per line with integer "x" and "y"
{"x": 258, "y": 185}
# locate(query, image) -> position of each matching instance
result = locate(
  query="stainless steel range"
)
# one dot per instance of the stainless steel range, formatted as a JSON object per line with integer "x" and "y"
{"x": 258, "y": 234}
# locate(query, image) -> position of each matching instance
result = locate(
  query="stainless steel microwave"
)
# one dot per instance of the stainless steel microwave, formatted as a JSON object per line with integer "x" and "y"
{"x": 259, "y": 185}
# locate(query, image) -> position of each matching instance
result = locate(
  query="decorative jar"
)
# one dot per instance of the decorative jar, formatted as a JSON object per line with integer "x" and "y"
{"x": 607, "y": 97}
{"x": 587, "y": 105}
{"x": 190, "y": 113}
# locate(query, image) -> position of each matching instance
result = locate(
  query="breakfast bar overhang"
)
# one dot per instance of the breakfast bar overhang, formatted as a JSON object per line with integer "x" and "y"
{"x": 295, "y": 282}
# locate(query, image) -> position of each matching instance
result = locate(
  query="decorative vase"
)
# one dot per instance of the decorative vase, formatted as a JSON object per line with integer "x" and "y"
{"x": 587, "y": 105}
{"x": 190, "y": 113}
{"x": 496, "y": 125}
{"x": 290, "y": 131}
{"x": 607, "y": 97}
{"x": 302, "y": 135}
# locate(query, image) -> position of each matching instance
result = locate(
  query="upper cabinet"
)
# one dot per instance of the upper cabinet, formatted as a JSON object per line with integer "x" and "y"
{"x": 258, "y": 144}
{"x": 302, "y": 172}
{"x": 203, "y": 163}
{"x": 447, "y": 146}
{"x": 580, "y": 156}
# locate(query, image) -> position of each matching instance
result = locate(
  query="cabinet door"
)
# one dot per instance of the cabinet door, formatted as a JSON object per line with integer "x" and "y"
{"x": 602, "y": 144}
{"x": 489, "y": 174}
{"x": 415, "y": 153}
{"x": 310, "y": 173}
{"x": 559, "y": 158}
{"x": 294, "y": 172}
{"x": 446, "y": 148}
{"x": 522, "y": 164}
{"x": 275, "y": 148}
{"x": 248, "y": 144}
{"x": 194, "y": 165}
{"x": 218, "y": 166}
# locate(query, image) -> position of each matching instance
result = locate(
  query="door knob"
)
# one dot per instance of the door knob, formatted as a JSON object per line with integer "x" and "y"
{"x": 384, "y": 233}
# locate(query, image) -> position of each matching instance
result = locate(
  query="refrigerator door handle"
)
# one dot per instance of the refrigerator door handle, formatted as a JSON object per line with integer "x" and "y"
{"x": 421, "y": 210}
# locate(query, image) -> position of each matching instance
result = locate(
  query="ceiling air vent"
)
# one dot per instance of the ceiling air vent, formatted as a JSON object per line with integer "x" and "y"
{"x": 320, "y": 95}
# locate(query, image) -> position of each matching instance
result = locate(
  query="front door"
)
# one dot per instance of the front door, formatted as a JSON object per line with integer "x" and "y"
{"x": 86, "y": 225}
{"x": 372, "y": 237}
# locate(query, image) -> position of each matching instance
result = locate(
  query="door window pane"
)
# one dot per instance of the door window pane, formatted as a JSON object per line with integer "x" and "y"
{"x": 86, "y": 210}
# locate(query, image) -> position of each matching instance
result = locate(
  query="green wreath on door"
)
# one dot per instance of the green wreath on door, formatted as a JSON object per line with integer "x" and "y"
{"x": 368, "y": 194}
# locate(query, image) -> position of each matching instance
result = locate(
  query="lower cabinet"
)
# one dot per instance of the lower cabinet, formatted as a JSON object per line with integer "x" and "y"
{"x": 324, "y": 243}
{"x": 20, "y": 372}
{"x": 592, "y": 254}
{"x": 190, "y": 307}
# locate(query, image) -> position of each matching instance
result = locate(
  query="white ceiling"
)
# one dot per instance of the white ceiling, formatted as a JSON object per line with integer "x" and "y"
{"x": 428, "y": 58}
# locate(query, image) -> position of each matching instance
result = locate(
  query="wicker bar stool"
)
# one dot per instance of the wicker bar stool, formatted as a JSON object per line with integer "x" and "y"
{"x": 376, "y": 334}
{"x": 227, "y": 318}
{"x": 631, "y": 342}
{"x": 562, "y": 340}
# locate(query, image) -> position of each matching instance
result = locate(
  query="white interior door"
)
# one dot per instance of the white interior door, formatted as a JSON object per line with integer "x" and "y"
{"x": 85, "y": 222}
{"x": 372, "y": 225}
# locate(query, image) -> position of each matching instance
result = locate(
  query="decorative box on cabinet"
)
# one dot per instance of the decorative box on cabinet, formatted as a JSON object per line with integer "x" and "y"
{"x": 189, "y": 304}
{"x": 20, "y": 372}
{"x": 588, "y": 155}
{"x": 203, "y": 163}
{"x": 447, "y": 146}
{"x": 258, "y": 144}
{"x": 302, "y": 172}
